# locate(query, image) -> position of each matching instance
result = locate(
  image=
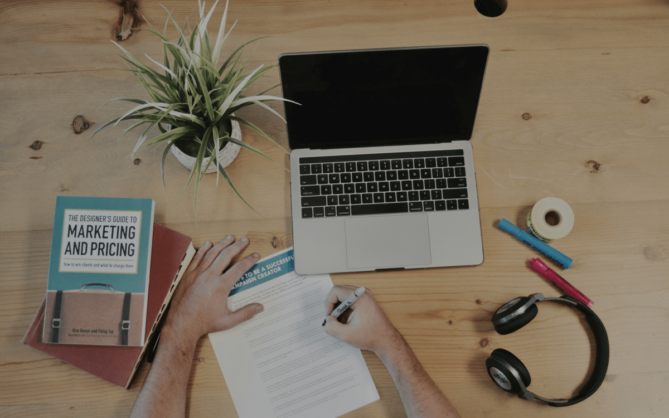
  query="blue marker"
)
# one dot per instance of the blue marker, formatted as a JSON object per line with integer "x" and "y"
{"x": 536, "y": 243}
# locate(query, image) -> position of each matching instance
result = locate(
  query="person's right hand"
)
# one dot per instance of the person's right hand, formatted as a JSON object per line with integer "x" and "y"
{"x": 367, "y": 327}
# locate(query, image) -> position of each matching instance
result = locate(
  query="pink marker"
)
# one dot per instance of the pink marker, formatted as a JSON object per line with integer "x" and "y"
{"x": 566, "y": 287}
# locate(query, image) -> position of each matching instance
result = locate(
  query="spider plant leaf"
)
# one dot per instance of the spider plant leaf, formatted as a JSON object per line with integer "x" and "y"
{"x": 258, "y": 98}
{"x": 203, "y": 26}
{"x": 141, "y": 140}
{"x": 141, "y": 122}
{"x": 167, "y": 70}
{"x": 198, "y": 166}
{"x": 173, "y": 134}
{"x": 271, "y": 88}
{"x": 255, "y": 128}
{"x": 264, "y": 106}
{"x": 258, "y": 75}
{"x": 232, "y": 186}
{"x": 159, "y": 106}
{"x": 181, "y": 34}
{"x": 249, "y": 147}
{"x": 123, "y": 99}
{"x": 232, "y": 56}
{"x": 162, "y": 164}
{"x": 110, "y": 122}
{"x": 220, "y": 38}
{"x": 103, "y": 126}
{"x": 217, "y": 48}
{"x": 235, "y": 92}
{"x": 205, "y": 92}
{"x": 217, "y": 151}
{"x": 231, "y": 76}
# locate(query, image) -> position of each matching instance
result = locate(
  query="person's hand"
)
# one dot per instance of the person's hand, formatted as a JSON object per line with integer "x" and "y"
{"x": 367, "y": 327}
{"x": 200, "y": 303}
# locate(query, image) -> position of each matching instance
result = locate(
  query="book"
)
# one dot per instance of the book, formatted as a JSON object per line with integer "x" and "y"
{"x": 172, "y": 252}
{"x": 99, "y": 271}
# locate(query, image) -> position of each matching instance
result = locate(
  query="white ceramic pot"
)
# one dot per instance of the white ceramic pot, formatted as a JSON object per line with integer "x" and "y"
{"x": 228, "y": 153}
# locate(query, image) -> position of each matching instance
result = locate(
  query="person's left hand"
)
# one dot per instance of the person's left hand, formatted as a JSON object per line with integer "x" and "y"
{"x": 200, "y": 303}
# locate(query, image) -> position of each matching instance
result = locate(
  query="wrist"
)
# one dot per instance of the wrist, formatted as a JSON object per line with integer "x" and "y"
{"x": 392, "y": 347}
{"x": 179, "y": 328}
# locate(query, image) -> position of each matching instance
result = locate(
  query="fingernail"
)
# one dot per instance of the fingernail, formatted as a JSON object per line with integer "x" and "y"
{"x": 206, "y": 243}
{"x": 259, "y": 309}
{"x": 324, "y": 321}
{"x": 244, "y": 239}
{"x": 229, "y": 237}
{"x": 256, "y": 255}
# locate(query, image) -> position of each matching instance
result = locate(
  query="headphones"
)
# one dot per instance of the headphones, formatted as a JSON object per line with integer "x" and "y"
{"x": 509, "y": 373}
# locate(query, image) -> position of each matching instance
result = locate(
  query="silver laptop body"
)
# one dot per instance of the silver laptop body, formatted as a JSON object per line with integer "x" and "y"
{"x": 384, "y": 206}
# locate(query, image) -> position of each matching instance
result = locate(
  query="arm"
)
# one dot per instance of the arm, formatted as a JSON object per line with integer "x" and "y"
{"x": 368, "y": 328}
{"x": 199, "y": 306}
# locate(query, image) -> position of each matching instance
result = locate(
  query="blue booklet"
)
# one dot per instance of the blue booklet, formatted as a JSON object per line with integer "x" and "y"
{"x": 99, "y": 271}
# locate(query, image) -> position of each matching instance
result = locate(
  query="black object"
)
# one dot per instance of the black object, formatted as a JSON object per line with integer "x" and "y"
{"x": 125, "y": 319}
{"x": 511, "y": 375}
{"x": 378, "y": 184}
{"x": 55, "y": 322}
{"x": 155, "y": 339}
{"x": 393, "y": 81}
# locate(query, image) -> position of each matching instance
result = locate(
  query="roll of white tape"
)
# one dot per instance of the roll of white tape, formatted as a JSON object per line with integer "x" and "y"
{"x": 550, "y": 219}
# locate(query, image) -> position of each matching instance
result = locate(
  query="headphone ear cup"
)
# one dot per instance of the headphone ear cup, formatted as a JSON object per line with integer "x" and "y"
{"x": 518, "y": 322}
{"x": 515, "y": 363}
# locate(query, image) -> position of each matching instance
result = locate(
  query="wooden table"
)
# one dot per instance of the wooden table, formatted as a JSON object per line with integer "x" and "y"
{"x": 575, "y": 105}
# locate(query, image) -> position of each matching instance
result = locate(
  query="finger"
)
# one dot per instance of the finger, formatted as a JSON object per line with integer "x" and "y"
{"x": 237, "y": 271}
{"x": 337, "y": 294}
{"x": 244, "y": 314}
{"x": 199, "y": 255}
{"x": 215, "y": 251}
{"x": 335, "y": 329}
{"x": 223, "y": 259}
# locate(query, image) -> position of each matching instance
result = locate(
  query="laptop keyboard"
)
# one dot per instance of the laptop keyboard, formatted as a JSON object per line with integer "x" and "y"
{"x": 373, "y": 184}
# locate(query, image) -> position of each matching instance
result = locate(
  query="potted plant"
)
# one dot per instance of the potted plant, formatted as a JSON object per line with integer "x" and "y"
{"x": 193, "y": 100}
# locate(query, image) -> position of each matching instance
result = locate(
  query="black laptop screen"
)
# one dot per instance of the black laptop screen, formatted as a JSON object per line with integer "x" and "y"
{"x": 382, "y": 97}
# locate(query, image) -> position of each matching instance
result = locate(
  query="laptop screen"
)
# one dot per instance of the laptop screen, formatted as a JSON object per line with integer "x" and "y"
{"x": 382, "y": 97}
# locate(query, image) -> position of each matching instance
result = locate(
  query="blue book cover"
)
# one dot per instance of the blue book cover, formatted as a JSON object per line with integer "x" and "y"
{"x": 99, "y": 271}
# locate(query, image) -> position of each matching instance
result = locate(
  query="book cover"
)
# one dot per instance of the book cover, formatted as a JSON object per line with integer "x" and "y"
{"x": 99, "y": 271}
{"x": 172, "y": 252}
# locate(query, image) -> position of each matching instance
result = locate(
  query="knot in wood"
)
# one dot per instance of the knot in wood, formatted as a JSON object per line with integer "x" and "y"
{"x": 275, "y": 242}
{"x": 527, "y": 116}
{"x": 137, "y": 161}
{"x": 594, "y": 166}
{"x": 80, "y": 124}
{"x": 645, "y": 99}
{"x": 484, "y": 342}
{"x": 36, "y": 145}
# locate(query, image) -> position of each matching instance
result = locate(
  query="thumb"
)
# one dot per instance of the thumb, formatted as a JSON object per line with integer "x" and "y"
{"x": 245, "y": 313}
{"x": 335, "y": 328}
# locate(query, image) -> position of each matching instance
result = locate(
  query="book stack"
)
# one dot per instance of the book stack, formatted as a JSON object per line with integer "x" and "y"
{"x": 112, "y": 275}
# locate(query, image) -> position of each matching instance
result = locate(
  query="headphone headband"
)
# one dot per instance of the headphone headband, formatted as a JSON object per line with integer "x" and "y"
{"x": 520, "y": 312}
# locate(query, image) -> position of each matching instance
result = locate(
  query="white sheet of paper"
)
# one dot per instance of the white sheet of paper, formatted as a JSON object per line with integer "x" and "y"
{"x": 281, "y": 363}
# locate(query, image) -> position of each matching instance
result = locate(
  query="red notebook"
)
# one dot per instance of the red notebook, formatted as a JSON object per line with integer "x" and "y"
{"x": 171, "y": 254}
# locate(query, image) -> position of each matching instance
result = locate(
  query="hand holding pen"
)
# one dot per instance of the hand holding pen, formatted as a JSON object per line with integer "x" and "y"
{"x": 342, "y": 307}
{"x": 367, "y": 327}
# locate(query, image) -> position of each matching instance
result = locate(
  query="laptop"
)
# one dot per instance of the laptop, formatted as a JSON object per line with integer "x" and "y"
{"x": 382, "y": 169}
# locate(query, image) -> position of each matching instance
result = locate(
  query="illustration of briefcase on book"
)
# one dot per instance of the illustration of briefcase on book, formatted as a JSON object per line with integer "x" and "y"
{"x": 94, "y": 316}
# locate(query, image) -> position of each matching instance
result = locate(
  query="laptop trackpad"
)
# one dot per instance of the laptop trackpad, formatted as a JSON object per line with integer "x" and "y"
{"x": 387, "y": 241}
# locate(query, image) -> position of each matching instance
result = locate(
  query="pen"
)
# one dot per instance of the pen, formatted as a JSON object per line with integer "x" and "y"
{"x": 346, "y": 304}
{"x": 155, "y": 338}
{"x": 536, "y": 243}
{"x": 560, "y": 282}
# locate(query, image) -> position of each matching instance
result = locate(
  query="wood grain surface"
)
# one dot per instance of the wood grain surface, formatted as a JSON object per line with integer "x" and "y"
{"x": 574, "y": 105}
